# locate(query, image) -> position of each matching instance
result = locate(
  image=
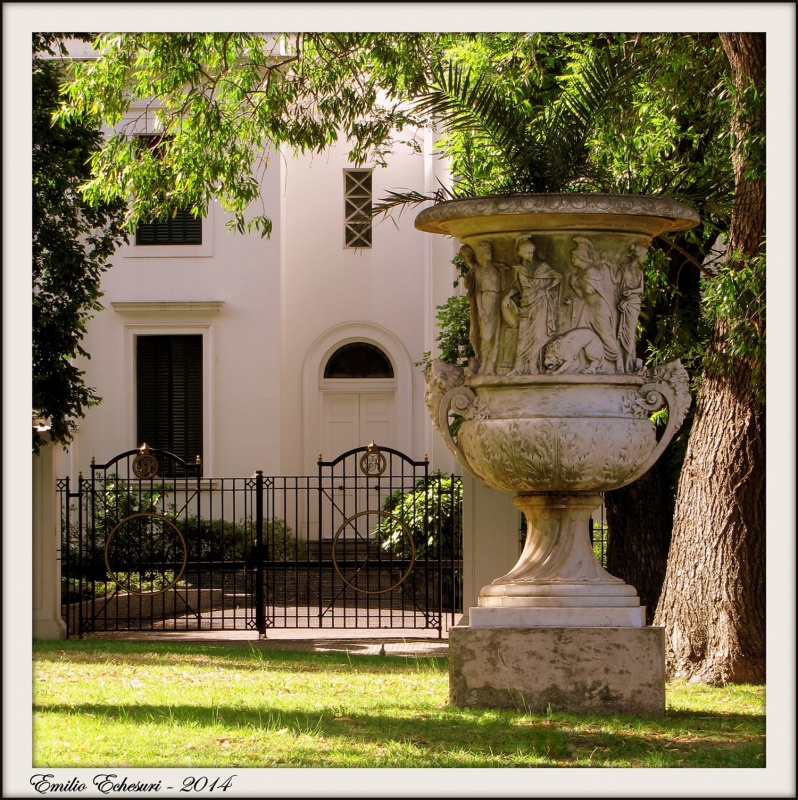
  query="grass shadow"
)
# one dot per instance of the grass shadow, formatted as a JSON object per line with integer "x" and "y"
{"x": 470, "y": 737}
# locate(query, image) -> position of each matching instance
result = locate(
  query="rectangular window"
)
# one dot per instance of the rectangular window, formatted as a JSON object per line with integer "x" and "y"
{"x": 182, "y": 227}
{"x": 357, "y": 208}
{"x": 169, "y": 395}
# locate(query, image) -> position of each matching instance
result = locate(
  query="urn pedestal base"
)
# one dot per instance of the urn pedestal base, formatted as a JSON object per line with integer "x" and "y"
{"x": 558, "y": 581}
{"x": 605, "y": 670}
{"x": 581, "y": 617}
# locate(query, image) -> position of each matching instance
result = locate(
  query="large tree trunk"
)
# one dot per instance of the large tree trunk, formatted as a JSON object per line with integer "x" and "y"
{"x": 713, "y": 598}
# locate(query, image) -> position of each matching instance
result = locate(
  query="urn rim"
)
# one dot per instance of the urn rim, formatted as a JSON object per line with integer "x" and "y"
{"x": 623, "y": 213}
{"x": 576, "y": 379}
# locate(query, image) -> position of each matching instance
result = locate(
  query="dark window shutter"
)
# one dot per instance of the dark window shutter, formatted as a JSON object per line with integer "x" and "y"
{"x": 182, "y": 228}
{"x": 169, "y": 394}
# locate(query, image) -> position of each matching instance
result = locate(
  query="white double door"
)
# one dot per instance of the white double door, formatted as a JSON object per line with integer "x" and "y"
{"x": 350, "y": 420}
{"x": 353, "y": 419}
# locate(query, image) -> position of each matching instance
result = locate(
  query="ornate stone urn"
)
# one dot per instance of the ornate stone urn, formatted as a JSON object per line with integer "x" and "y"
{"x": 555, "y": 406}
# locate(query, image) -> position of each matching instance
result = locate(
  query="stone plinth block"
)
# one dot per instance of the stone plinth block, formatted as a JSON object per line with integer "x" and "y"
{"x": 587, "y": 616}
{"x": 578, "y": 670}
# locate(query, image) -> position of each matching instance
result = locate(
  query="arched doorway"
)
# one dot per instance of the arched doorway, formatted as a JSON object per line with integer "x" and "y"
{"x": 358, "y": 398}
{"x": 357, "y": 379}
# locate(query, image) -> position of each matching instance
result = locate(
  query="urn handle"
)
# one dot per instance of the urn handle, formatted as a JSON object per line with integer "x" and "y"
{"x": 447, "y": 391}
{"x": 670, "y": 386}
{"x": 458, "y": 399}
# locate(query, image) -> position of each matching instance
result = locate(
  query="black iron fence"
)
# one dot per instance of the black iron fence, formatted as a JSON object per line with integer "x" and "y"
{"x": 373, "y": 540}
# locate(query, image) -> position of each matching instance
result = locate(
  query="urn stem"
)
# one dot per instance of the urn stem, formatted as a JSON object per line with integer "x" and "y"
{"x": 557, "y": 546}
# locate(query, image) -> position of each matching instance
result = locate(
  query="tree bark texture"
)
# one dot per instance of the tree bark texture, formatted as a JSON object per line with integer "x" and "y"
{"x": 713, "y": 599}
{"x": 746, "y": 54}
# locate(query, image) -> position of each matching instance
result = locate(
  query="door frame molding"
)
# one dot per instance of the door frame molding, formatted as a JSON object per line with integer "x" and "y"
{"x": 314, "y": 384}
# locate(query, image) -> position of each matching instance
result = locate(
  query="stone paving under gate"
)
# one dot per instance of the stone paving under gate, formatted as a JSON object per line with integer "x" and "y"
{"x": 397, "y": 642}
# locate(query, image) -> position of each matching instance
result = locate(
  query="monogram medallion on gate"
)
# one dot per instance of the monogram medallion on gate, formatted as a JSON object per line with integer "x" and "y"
{"x": 145, "y": 464}
{"x": 373, "y": 462}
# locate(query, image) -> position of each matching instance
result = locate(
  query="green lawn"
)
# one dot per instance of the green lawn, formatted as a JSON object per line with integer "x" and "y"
{"x": 122, "y": 704}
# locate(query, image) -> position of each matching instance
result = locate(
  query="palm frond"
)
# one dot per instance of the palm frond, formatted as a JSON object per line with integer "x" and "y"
{"x": 472, "y": 106}
{"x": 410, "y": 198}
{"x": 566, "y": 125}
{"x": 541, "y": 148}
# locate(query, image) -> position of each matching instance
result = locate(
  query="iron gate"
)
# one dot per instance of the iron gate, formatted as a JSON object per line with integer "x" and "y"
{"x": 373, "y": 540}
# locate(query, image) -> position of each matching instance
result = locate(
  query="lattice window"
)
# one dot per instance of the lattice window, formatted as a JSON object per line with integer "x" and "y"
{"x": 357, "y": 208}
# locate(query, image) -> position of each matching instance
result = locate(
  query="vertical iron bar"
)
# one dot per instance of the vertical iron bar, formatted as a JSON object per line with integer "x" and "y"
{"x": 80, "y": 550}
{"x": 220, "y": 567}
{"x": 198, "y": 544}
{"x": 298, "y": 514}
{"x": 260, "y": 620}
{"x": 319, "y": 550}
{"x": 65, "y": 556}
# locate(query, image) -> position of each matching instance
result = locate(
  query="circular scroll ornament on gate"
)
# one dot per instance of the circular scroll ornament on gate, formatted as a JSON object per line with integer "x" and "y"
{"x": 406, "y": 532}
{"x": 145, "y": 464}
{"x": 151, "y": 543}
{"x": 373, "y": 462}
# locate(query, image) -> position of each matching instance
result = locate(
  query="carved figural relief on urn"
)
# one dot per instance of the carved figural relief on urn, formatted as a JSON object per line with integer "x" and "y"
{"x": 556, "y": 405}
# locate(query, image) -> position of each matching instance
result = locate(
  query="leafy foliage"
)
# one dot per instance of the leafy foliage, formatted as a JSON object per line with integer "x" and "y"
{"x": 74, "y": 590}
{"x": 454, "y": 326}
{"x": 453, "y": 337}
{"x": 432, "y": 512}
{"x": 224, "y": 102}
{"x": 735, "y": 296}
{"x": 514, "y": 132}
{"x": 72, "y": 242}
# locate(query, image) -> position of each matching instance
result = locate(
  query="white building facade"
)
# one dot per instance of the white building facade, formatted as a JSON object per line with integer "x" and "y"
{"x": 255, "y": 353}
{"x": 268, "y": 315}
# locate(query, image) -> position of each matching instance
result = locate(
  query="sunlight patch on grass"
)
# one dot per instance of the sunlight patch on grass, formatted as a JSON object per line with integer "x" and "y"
{"x": 122, "y": 704}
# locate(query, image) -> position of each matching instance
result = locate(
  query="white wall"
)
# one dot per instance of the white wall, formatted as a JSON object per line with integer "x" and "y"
{"x": 271, "y": 311}
{"x": 238, "y": 273}
{"x": 334, "y": 294}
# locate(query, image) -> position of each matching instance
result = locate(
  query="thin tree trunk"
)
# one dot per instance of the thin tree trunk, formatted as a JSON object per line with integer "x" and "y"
{"x": 713, "y": 599}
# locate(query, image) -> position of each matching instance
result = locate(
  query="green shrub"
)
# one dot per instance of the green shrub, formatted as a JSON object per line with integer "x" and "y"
{"x": 216, "y": 539}
{"x": 146, "y": 581}
{"x": 433, "y": 513}
{"x": 281, "y": 544}
{"x": 224, "y": 540}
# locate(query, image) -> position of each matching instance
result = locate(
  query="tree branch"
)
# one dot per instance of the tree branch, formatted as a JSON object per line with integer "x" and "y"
{"x": 687, "y": 255}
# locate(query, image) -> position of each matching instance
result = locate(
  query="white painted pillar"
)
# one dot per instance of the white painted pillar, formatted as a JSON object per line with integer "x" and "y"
{"x": 47, "y": 621}
{"x": 491, "y": 538}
